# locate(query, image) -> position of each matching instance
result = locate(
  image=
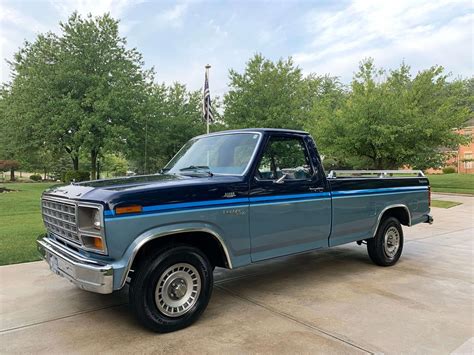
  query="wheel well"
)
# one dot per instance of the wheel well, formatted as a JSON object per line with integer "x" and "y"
{"x": 400, "y": 213}
{"x": 204, "y": 241}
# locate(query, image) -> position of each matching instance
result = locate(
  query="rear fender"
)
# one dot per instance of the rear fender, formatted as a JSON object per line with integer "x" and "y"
{"x": 404, "y": 219}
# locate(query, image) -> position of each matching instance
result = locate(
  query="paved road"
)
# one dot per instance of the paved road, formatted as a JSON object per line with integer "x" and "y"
{"x": 328, "y": 301}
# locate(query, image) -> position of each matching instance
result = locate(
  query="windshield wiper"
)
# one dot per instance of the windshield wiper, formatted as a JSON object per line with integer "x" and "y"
{"x": 197, "y": 168}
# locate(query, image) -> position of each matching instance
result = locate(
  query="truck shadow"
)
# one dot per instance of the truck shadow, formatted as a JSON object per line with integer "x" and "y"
{"x": 317, "y": 269}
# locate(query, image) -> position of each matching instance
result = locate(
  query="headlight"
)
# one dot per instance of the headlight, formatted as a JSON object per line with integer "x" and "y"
{"x": 90, "y": 225}
{"x": 97, "y": 223}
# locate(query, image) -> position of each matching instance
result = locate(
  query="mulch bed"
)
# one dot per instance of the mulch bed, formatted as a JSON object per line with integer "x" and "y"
{"x": 5, "y": 190}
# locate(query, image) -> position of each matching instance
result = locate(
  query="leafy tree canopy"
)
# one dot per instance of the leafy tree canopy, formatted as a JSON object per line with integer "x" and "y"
{"x": 78, "y": 90}
{"x": 171, "y": 116}
{"x": 266, "y": 94}
{"x": 84, "y": 95}
{"x": 392, "y": 119}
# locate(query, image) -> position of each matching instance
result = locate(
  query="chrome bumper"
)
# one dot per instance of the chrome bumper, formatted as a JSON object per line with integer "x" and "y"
{"x": 85, "y": 273}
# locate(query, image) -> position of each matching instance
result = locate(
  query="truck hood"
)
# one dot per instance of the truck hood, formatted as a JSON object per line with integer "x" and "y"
{"x": 149, "y": 189}
{"x": 128, "y": 182}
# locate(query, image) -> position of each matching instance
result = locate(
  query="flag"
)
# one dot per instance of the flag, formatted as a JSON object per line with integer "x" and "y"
{"x": 206, "y": 105}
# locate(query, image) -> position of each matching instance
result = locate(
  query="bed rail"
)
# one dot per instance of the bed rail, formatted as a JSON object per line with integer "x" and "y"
{"x": 333, "y": 174}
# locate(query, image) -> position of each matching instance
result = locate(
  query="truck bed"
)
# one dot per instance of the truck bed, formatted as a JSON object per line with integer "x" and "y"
{"x": 358, "y": 201}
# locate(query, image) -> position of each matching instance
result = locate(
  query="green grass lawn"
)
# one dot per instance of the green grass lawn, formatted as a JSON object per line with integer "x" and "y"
{"x": 20, "y": 222}
{"x": 444, "y": 204}
{"x": 456, "y": 183}
{"x": 20, "y": 214}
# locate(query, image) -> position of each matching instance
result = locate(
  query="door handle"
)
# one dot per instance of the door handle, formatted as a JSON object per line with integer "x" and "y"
{"x": 316, "y": 189}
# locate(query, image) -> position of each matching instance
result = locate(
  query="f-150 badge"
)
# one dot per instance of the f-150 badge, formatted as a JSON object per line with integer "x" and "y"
{"x": 234, "y": 212}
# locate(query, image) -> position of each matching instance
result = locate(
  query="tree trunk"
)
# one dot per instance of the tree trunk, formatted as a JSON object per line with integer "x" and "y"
{"x": 45, "y": 173}
{"x": 75, "y": 163}
{"x": 74, "y": 155}
{"x": 12, "y": 174}
{"x": 94, "y": 154}
{"x": 98, "y": 169}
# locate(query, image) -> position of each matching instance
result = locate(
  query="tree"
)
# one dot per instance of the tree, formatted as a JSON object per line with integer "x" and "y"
{"x": 115, "y": 164}
{"x": 12, "y": 154}
{"x": 9, "y": 165}
{"x": 389, "y": 120}
{"x": 182, "y": 120}
{"x": 325, "y": 95}
{"x": 78, "y": 90}
{"x": 266, "y": 94}
{"x": 170, "y": 118}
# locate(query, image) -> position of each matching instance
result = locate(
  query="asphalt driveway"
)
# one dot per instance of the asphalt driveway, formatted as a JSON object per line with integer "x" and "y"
{"x": 333, "y": 301}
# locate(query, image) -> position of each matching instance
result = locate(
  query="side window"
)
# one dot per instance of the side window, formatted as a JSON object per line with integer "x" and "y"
{"x": 285, "y": 156}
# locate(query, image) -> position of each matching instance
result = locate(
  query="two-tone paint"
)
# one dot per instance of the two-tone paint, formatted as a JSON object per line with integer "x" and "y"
{"x": 252, "y": 219}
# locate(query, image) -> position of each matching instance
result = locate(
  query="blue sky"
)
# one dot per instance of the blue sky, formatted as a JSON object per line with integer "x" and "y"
{"x": 179, "y": 38}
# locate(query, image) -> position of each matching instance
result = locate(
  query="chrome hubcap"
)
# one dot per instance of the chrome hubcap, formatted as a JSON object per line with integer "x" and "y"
{"x": 177, "y": 290}
{"x": 391, "y": 242}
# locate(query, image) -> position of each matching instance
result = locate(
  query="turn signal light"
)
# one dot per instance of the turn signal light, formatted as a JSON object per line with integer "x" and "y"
{"x": 98, "y": 243}
{"x": 128, "y": 209}
{"x": 94, "y": 243}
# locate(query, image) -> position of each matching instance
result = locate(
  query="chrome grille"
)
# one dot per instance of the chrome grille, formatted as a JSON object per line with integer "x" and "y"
{"x": 59, "y": 217}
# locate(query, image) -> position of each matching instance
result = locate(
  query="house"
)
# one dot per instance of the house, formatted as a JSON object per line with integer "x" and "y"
{"x": 462, "y": 158}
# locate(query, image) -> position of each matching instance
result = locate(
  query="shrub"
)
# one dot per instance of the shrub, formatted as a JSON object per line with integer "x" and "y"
{"x": 329, "y": 164}
{"x": 35, "y": 177}
{"x": 75, "y": 176}
{"x": 449, "y": 170}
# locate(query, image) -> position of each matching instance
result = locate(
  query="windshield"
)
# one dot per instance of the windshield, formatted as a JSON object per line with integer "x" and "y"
{"x": 220, "y": 154}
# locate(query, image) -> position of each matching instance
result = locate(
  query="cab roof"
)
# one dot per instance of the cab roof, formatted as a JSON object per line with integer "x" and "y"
{"x": 259, "y": 130}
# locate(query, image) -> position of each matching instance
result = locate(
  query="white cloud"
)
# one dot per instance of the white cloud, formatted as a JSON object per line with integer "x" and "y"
{"x": 271, "y": 36}
{"x": 331, "y": 38}
{"x": 173, "y": 16}
{"x": 16, "y": 25}
{"x": 434, "y": 32}
{"x": 11, "y": 17}
{"x": 10, "y": 38}
{"x": 218, "y": 31}
{"x": 116, "y": 8}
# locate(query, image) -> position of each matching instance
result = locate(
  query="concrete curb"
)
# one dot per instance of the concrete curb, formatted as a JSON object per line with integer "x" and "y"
{"x": 450, "y": 193}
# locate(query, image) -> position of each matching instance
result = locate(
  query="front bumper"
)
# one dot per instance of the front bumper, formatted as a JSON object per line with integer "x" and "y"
{"x": 85, "y": 273}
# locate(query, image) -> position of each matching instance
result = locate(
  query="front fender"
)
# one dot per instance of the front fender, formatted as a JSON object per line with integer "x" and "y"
{"x": 122, "y": 267}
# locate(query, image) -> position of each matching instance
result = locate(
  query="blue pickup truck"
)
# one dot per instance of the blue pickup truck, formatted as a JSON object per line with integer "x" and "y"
{"x": 226, "y": 199}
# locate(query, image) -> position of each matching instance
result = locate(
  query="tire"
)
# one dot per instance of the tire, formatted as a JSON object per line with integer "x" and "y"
{"x": 386, "y": 247}
{"x": 171, "y": 289}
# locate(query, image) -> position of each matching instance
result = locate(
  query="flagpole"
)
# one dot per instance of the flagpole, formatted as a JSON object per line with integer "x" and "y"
{"x": 207, "y": 113}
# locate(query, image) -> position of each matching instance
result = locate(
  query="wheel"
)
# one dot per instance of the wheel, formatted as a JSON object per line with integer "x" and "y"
{"x": 387, "y": 245}
{"x": 171, "y": 289}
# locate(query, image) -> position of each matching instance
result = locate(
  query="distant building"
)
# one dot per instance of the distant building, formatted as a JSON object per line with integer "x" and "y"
{"x": 462, "y": 158}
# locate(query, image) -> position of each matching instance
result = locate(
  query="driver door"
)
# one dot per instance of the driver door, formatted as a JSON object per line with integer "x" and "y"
{"x": 290, "y": 211}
